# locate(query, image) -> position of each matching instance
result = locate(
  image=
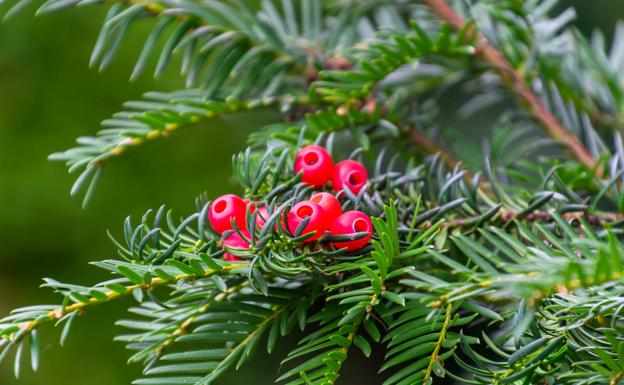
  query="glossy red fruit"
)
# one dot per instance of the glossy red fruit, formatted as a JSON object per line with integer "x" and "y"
{"x": 235, "y": 241}
{"x": 329, "y": 204}
{"x": 352, "y": 222}
{"x": 316, "y": 164}
{"x": 351, "y": 174}
{"x": 319, "y": 222}
{"x": 223, "y": 209}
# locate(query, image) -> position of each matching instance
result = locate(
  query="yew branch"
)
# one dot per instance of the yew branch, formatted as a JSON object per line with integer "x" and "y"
{"x": 516, "y": 83}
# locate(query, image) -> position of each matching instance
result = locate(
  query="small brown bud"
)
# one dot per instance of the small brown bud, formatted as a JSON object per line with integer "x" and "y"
{"x": 312, "y": 74}
{"x": 370, "y": 107}
{"x": 338, "y": 63}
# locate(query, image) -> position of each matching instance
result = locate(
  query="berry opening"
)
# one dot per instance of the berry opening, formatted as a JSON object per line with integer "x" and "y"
{"x": 220, "y": 206}
{"x": 311, "y": 158}
{"x": 304, "y": 211}
{"x": 360, "y": 226}
{"x": 355, "y": 178}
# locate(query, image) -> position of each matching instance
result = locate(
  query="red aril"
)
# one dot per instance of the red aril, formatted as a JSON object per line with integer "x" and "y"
{"x": 225, "y": 209}
{"x": 352, "y": 222}
{"x": 316, "y": 165}
{"x": 329, "y": 204}
{"x": 318, "y": 222}
{"x": 351, "y": 174}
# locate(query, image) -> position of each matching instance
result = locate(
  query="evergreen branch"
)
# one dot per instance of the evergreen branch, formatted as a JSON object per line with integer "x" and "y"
{"x": 277, "y": 312}
{"x": 532, "y": 256}
{"x": 570, "y": 331}
{"x": 232, "y": 330}
{"x": 112, "y": 294}
{"x": 342, "y": 316}
{"x": 384, "y": 58}
{"x": 25, "y": 320}
{"x": 537, "y": 268}
{"x": 415, "y": 339}
{"x": 156, "y": 117}
{"x": 253, "y": 45}
{"x": 505, "y": 217}
{"x": 184, "y": 325}
{"x": 438, "y": 345}
{"x": 336, "y": 335}
{"x": 223, "y": 30}
{"x": 517, "y": 84}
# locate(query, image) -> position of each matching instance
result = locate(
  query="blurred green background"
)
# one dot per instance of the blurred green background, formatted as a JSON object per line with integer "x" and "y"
{"x": 48, "y": 97}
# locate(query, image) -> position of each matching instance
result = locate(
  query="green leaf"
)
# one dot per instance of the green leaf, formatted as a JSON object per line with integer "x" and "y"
{"x": 364, "y": 346}
{"x": 396, "y": 298}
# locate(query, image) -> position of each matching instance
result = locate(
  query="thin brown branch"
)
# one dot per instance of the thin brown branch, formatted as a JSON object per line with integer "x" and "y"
{"x": 423, "y": 142}
{"x": 506, "y": 217}
{"x": 515, "y": 81}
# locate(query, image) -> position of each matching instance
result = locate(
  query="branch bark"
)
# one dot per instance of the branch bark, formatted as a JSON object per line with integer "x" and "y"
{"x": 423, "y": 142}
{"x": 505, "y": 217}
{"x": 515, "y": 81}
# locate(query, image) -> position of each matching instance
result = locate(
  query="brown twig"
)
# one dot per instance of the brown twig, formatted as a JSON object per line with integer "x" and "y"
{"x": 515, "y": 81}
{"x": 506, "y": 217}
{"x": 423, "y": 142}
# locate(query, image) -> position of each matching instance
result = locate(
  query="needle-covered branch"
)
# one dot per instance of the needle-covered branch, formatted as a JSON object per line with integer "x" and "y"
{"x": 516, "y": 82}
{"x": 510, "y": 271}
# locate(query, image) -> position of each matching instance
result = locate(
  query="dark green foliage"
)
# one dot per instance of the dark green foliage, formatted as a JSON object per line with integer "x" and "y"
{"x": 508, "y": 271}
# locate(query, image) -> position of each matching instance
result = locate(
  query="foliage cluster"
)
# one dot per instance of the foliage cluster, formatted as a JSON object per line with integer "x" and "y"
{"x": 505, "y": 271}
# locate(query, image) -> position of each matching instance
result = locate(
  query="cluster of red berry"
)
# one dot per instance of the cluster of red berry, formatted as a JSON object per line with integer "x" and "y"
{"x": 323, "y": 211}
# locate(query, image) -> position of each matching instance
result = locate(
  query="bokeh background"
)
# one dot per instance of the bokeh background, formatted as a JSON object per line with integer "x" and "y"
{"x": 48, "y": 97}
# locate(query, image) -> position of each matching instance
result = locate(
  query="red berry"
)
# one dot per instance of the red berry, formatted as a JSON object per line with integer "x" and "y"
{"x": 351, "y": 174}
{"x": 316, "y": 164}
{"x": 235, "y": 241}
{"x": 318, "y": 222}
{"x": 329, "y": 204}
{"x": 225, "y": 208}
{"x": 349, "y": 223}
